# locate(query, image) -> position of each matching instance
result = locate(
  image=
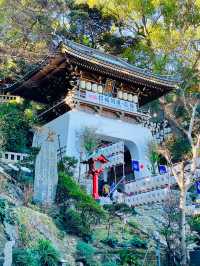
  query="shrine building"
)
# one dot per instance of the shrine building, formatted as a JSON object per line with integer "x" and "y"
{"x": 86, "y": 88}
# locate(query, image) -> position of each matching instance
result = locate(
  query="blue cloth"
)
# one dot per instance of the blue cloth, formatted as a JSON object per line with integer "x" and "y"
{"x": 162, "y": 169}
{"x": 198, "y": 187}
{"x": 112, "y": 187}
{"x": 135, "y": 166}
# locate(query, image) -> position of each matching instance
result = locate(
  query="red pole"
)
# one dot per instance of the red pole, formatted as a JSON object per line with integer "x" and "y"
{"x": 95, "y": 174}
{"x": 95, "y": 192}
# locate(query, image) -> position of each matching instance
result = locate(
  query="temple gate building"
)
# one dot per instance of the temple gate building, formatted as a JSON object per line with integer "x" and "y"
{"x": 86, "y": 88}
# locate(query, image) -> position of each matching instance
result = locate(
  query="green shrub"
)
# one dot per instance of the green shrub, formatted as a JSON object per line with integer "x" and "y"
{"x": 110, "y": 263}
{"x": 133, "y": 224}
{"x": 90, "y": 211}
{"x": 48, "y": 255}
{"x": 138, "y": 242}
{"x": 10, "y": 216}
{"x": 129, "y": 257}
{"x": 67, "y": 165}
{"x": 24, "y": 235}
{"x": 68, "y": 188}
{"x": 43, "y": 254}
{"x": 24, "y": 257}
{"x": 6, "y": 212}
{"x": 3, "y": 208}
{"x": 111, "y": 242}
{"x": 84, "y": 249}
{"x": 73, "y": 224}
{"x": 86, "y": 252}
{"x": 195, "y": 224}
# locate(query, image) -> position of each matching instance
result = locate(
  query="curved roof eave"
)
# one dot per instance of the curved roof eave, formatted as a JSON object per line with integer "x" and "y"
{"x": 112, "y": 62}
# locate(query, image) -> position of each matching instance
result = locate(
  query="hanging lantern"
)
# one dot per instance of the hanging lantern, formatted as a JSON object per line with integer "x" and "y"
{"x": 120, "y": 94}
{"x": 88, "y": 86}
{"x": 125, "y": 96}
{"x": 135, "y": 99}
{"x": 82, "y": 84}
{"x": 94, "y": 87}
{"x": 100, "y": 89}
{"x": 130, "y": 97}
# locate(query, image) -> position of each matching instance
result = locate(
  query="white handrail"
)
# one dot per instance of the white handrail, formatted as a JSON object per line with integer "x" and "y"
{"x": 12, "y": 156}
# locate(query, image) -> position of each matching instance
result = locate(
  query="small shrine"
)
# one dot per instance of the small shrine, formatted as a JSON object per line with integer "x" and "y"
{"x": 86, "y": 88}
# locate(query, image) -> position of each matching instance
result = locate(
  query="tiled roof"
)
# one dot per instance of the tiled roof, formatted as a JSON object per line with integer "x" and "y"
{"x": 95, "y": 55}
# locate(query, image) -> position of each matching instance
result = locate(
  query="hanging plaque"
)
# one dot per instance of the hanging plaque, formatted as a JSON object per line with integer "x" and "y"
{"x": 108, "y": 101}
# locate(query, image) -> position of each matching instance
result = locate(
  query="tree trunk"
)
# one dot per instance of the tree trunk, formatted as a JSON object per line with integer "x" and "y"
{"x": 183, "y": 228}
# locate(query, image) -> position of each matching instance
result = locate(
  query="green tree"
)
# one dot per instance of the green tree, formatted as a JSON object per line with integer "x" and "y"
{"x": 15, "y": 123}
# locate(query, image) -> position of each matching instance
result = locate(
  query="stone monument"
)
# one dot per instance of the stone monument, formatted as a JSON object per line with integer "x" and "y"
{"x": 46, "y": 173}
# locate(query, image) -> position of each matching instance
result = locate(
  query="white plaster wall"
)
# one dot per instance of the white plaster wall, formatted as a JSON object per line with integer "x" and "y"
{"x": 135, "y": 136}
{"x": 59, "y": 126}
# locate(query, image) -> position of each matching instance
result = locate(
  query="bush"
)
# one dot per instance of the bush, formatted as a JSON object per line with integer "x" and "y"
{"x": 24, "y": 257}
{"x": 138, "y": 242}
{"x": 48, "y": 255}
{"x": 3, "y": 208}
{"x": 6, "y": 212}
{"x": 73, "y": 224}
{"x": 111, "y": 242}
{"x": 90, "y": 211}
{"x": 43, "y": 254}
{"x": 67, "y": 165}
{"x": 24, "y": 235}
{"x": 68, "y": 188}
{"x": 129, "y": 257}
{"x": 110, "y": 263}
{"x": 86, "y": 252}
{"x": 195, "y": 224}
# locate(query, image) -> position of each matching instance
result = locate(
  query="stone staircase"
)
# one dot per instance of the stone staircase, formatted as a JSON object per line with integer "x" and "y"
{"x": 149, "y": 217}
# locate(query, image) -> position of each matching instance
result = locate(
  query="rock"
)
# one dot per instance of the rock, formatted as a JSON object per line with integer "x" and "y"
{"x": 3, "y": 241}
{"x": 12, "y": 235}
{"x": 8, "y": 253}
{"x": 39, "y": 225}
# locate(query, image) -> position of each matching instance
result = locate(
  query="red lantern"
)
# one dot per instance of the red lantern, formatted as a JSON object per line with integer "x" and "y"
{"x": 95, "y": 171}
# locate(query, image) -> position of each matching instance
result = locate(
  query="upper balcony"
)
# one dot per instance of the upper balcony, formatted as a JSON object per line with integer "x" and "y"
{"x": 120, "y": 102}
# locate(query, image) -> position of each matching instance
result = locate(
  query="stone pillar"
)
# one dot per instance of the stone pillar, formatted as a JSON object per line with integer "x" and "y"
{"x": 46, "y": 174}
